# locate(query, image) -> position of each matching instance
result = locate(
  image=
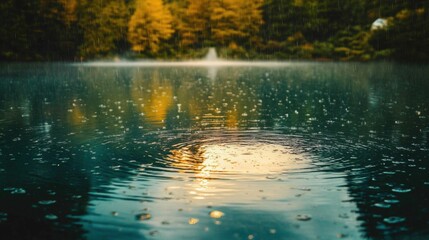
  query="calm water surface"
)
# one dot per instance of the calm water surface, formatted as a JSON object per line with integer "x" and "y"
{"x": 293, "y": 151}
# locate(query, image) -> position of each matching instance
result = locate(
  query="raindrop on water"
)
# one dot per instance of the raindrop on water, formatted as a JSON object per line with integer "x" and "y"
{"x": 193, "y": 221}
{"x": 143, "y": 216}
{"x": 382, "y": 205}
{"x": 401, "y": 190}
{"x": 216, "y": 214}
{"x": 393, "y": 220}
{"x": 303, "y": 217}
{"x": 47, "y": 202}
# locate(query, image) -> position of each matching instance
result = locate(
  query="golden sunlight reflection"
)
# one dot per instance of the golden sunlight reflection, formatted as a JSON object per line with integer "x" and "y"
{"x": 154, "y": 97}
{"x": 215, "y": 165}
{"x": 258, "y": 158}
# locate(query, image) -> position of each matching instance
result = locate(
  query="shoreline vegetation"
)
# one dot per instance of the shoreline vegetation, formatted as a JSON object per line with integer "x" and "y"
{"x": 317, "y": 30}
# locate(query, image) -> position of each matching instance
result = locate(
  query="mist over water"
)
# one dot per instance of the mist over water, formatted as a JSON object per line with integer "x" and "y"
{"x": 211, "y": 55}
{"x": 214, "y": 149}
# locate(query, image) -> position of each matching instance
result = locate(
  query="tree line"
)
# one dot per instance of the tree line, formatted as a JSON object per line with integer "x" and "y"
{"x": 251, "y": 29}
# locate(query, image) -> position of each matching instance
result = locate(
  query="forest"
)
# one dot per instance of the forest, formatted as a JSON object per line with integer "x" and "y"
{"x": 338, "y": 30}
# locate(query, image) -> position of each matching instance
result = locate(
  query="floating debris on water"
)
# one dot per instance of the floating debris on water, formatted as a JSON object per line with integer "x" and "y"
{"x": 216, "y": 214}
{"x": 143, "y": 216}
{"x": 114, "y": 213}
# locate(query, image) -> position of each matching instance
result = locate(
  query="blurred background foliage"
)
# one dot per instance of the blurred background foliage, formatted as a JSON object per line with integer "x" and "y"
{"x": 43, "y": 30}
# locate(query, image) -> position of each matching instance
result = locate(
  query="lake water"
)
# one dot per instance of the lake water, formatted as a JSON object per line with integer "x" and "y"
{"x": 226, "y": 151}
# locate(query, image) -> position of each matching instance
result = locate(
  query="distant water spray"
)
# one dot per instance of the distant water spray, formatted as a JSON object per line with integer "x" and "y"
{"x": 211, "y": 61}
{"x": 211, "y": 55}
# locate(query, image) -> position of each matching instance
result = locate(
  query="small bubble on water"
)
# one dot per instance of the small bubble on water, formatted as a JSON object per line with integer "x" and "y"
{"x": 394, "y": 220}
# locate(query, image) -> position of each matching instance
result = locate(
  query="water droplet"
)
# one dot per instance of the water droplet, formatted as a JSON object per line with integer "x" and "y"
{"x": 394, "y": 220}
{"x": 391, "y": 201}
{"x": 303, "y": 217}
{"x": 193, "y": 221}
{"x": 16, "y": 190}
{"x": 382, "y": 205}
{"x": 51, "y": 217}
{"x": 401, "y": 190}
{"x": 143, "y": 216}
{"x": 216, "y": 214}
{"x": 47, "y": 202}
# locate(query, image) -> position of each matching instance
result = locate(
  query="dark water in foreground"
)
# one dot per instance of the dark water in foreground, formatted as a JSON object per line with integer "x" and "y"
{"x": 304, "y": 151}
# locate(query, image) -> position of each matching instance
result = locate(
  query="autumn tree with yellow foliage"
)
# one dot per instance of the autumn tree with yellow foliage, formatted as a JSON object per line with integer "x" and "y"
{"x": 150, "y": 24}
{"x": 195, "y": 27}
{"x": 286, "y": 29}
{"x": 220, "y": 22}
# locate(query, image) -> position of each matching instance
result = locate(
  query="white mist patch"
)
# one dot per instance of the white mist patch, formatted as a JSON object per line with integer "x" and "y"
{"x": 211, "y": 55}
{"x": 196, "y": 63}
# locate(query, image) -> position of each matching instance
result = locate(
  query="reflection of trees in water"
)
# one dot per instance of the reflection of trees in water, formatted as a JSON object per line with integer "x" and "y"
{"x": 83, "y": 121}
